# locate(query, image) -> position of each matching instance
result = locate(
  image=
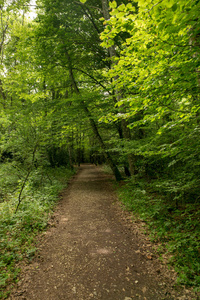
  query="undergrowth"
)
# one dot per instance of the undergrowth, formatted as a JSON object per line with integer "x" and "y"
{"x": 18, "y": 230}
{"x": 177, "y": 227}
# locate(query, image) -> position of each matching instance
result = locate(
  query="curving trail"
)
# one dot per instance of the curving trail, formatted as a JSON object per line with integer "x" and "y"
{"x": 91, "y": 253}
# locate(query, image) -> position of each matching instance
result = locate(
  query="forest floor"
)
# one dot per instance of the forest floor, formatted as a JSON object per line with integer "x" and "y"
{"x": 92, "y": 249}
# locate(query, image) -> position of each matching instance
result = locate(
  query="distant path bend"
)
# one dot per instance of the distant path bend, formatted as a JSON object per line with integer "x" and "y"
{"x": 90, "y": 253}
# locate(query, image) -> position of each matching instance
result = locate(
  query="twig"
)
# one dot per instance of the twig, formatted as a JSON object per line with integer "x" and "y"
{"x": 26, "y": 178}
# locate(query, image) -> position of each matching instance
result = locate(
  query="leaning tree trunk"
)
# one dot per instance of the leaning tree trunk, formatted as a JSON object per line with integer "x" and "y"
{"x": 93, "y": 124}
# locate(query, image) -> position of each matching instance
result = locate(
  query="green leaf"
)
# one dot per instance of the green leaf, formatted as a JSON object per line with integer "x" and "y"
{"x": 113, "y": 4}
{"x": 121, "y": 7}
{"x": 130, "y": 6}
{"x": 174, "y": 7}
{"x": 120, "y": 15}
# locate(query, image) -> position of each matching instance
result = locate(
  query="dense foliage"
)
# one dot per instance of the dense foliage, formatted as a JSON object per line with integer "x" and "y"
{"x": 103, "y": 81}
{"x": 156, "y": 70}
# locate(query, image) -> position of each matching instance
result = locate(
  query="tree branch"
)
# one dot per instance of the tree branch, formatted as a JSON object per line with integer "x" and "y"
{"x": 92, "y": 79}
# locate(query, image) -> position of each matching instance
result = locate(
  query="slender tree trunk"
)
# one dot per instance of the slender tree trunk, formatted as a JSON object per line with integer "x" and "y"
{"x": 2, "y": 93}
{"x": 93, "y": 124}
{"x": 106, "y": 15}
{"x": 3, "y": 37}
{"x": 119, "y": 129}
{"x": 127, "y": 136}
{"x": 3, "y": 34}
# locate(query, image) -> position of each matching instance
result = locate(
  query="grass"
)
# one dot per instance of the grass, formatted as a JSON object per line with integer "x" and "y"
{"x": 18, "y": 230}
{"x": 176, "y": 228}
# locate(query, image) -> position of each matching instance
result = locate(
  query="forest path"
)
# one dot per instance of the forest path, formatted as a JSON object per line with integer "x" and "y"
{"x": 91, "y": 253}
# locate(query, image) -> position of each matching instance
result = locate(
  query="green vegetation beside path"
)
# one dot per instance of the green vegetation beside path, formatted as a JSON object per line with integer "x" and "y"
{"x": 19, "y": 229}
{"x": 174, "y": 230}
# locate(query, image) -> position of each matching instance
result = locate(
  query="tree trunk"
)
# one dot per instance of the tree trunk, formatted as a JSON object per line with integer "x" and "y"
{"x": 127, "y": 136}
{"x": 93, "y": 124}
{"x": 126, "y": 167}
{"x": 106, "y": 16}
{"x": 125, "y": 130}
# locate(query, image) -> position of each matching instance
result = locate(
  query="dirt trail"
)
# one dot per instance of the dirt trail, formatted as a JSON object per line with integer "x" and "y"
{"x": 91, "y": 253}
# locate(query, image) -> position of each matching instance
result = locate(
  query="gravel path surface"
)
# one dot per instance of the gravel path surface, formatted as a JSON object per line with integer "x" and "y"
{"x": 92, "y": 251}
